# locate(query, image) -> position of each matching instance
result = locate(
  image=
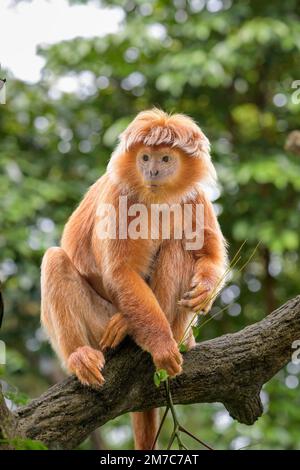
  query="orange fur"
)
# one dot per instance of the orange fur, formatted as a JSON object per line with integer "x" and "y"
{"x": 143, "y": 425}
{"x": 155, "y": 285}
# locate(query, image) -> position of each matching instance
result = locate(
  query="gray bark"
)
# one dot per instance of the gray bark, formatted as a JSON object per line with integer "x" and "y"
{"x": 8, "y": 424}
{"x": 230, "y": 369}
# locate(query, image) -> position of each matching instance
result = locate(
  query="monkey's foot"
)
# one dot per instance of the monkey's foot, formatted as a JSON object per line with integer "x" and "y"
{"x": 200, "y": 297}
{"x": 168, "y": 358}
{"x": 86, "y": 363}
{"x": 115, "y": 332}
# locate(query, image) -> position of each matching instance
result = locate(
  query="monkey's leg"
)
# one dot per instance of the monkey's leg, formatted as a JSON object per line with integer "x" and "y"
{"x": 74, "y": 316}
{"x": 170, "y": 279}
{"x": 171, "y": 276}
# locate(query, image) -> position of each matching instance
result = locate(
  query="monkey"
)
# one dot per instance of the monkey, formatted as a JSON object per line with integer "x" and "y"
{"x": 95, "y": 290}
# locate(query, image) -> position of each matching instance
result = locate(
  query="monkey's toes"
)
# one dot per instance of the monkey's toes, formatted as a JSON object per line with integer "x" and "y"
{"x": 115, "y": 332}
{"x": 86, "y": 363}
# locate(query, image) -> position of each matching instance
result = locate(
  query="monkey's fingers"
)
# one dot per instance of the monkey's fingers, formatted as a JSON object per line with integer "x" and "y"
{"x": 171, "y": 361}
{"x": 171, "y": 366}
{"x": 194, "y": 301}
{"x": 86, "y": 363}
{"x": 202, "y": 304}
{"x": 208, "y": 306}
{"x": 196, "y": 291}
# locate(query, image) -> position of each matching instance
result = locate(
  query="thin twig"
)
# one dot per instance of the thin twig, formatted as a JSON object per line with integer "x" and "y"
{"x": 236, "y": 258}
{"x": 177, "y": 426}
{"x": 160, "y": 427}
{"x": 182, "y": 429}
{"x": 172, "y": 438}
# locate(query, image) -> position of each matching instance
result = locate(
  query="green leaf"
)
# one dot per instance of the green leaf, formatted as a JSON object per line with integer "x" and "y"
{"x": 160, "y": 375}
{"x": 196, "y": 332}
{"x": 163, "y": 375}
{"x": 17, "y": 398}
{"x": 156, "y": 379}
{"x": 24, "y": 444}
{"x": 182, "y": 348}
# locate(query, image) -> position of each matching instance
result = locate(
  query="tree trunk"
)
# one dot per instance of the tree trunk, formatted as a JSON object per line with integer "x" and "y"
{"x": 230, "y": 369}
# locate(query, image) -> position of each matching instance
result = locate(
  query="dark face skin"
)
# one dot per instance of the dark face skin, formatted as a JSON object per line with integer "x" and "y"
{"x": 157, "y": 166}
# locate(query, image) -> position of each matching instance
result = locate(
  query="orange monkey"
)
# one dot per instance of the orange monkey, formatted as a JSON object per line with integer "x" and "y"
{"x": 95, "y": 290}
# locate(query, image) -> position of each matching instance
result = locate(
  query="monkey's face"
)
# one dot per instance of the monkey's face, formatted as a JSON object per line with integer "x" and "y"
{"x": 158, "y": 173}
{"x": 161, "y": 157}
{"x": 158, "y": 166}
{"x": 162, "y": 173}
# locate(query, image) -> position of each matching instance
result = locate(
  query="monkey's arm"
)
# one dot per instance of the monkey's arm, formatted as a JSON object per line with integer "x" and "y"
{"x": 210, "y": 264}
{"x": 146, "y": 322}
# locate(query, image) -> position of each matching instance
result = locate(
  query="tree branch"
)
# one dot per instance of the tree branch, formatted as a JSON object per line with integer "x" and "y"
{"x": 7, "y": 424}
{"x": 230, "y": 369}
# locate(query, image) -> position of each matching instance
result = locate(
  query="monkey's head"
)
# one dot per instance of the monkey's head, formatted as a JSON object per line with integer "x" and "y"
{"x": 161, "y": 157}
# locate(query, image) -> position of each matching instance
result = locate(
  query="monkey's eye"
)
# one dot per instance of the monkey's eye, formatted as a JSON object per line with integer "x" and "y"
{"x": 145, "y": 158}
{"x": 166, "y": 158}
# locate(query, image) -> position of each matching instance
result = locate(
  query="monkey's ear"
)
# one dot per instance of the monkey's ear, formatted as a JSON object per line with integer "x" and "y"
{"x": 203, "y": 153}
{"x": 198, "y": 146}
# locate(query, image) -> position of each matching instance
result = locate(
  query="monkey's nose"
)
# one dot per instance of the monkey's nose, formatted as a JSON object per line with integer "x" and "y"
{"x": 154, "y": 172}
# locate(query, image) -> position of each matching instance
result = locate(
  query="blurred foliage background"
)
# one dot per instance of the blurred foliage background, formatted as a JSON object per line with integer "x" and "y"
{"x": 228, "y": 64}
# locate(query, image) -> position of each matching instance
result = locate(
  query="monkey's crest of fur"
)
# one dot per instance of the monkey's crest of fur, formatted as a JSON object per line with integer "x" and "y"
{"x": 155, "y": 127}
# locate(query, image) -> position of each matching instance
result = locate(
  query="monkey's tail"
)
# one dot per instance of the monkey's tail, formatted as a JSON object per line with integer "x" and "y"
{"x": 145, "y": 427}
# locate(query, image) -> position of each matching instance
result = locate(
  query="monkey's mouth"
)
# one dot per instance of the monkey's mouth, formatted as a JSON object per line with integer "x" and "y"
{"x": 153, "y": 186}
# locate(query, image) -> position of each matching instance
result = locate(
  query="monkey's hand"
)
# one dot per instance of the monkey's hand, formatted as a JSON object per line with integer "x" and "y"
{"x": 201, "y": 296}
{"x": 168, "y": 357}
{"x": 164, "y": 357}
{"x": 115, "y": 332}
{"x": 86, "y": 363}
